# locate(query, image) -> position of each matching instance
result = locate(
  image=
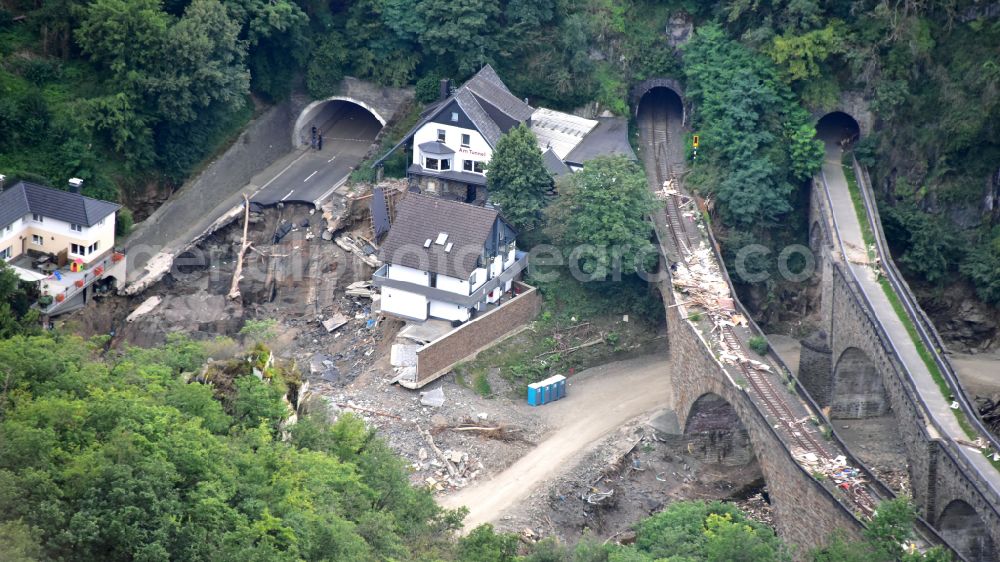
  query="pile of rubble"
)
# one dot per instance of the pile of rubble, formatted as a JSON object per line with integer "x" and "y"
{"x": 842, "y": 475}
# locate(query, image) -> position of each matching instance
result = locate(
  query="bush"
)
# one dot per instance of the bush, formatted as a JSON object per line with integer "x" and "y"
{"x": 758, "y": 344}
{"x": 124, "y": 223}
{"x": 427, "y": 88}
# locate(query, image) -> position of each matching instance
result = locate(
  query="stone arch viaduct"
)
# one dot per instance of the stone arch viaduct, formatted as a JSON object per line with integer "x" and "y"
{"x": 851, "y": 369}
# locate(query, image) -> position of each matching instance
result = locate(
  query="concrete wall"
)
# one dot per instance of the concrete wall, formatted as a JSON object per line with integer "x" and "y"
{"x": 438, "y": 357}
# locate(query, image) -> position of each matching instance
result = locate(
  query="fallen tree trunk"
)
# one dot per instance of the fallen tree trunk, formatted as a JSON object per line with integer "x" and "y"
{"x": 234, "y": 288}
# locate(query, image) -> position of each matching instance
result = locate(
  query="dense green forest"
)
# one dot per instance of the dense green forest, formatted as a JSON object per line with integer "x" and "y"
{"x": 131, "y": 455}
{"x": 131, "y": 93}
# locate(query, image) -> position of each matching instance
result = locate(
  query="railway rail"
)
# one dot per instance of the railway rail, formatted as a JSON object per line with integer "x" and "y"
{"x": 772, "y": 400}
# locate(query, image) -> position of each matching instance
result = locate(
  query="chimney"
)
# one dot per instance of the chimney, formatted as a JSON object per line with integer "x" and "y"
{"x": 2, "y": 179}
{"x": 75, "y": 184}
{"x": 445, "y": 90}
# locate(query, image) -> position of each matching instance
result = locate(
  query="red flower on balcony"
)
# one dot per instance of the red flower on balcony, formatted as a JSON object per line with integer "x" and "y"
{"x": 117, "y": 257}
{"x": 99, "y": 270}
{"x": 78, "y": 282}
{"x": 60, "y": 297}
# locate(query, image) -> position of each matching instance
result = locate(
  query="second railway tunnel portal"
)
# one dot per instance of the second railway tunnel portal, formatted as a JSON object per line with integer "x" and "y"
{"x": 717, "y": 420}
{"x": 716, "y": 417}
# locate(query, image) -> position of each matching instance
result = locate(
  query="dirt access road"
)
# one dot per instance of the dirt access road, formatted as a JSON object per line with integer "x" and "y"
{"x": 598, "y": 401}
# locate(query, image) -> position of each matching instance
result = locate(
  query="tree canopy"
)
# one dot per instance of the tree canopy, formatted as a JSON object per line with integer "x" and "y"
{"x": 122, "y": 459}
{"x": 600, "y": 219}
{"x": 517, "y": 179}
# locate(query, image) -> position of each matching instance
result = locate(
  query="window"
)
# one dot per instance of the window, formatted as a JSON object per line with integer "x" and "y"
{"x": 454, "y": 117}
{"x": 77, "y": 249}
{"x": 478, "y": 168}
{"x": 6, "y": 253}
{"x": 9, "y": 228}
{"x": 36, "y": 217}
{"x": 466, "y": 139}
{"x": 472, "y": 166}
{"x": 92, "y": 248}
{"x": 75, "y": 227}
{"x": 472, "y": 279}
{"x": 441, "y": 135}
{"x": 100, "y": 222}
{"x": 435, "y": 164}
{"x": 37, "y": 240}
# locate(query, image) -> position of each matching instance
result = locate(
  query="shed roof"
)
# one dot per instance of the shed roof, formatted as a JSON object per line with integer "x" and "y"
{"x": 559, "y": 131}
{"x": 608, "y": 138}
{"x": 26, "y": 197}
{"x": 420, "y": 218}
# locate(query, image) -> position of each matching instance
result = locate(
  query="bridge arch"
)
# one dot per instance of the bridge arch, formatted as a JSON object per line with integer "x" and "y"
{"x": 857, "y": 390}
{"x": 714, "y": 433}
{"x": 838, "y": 126}
{"x": 322, "y": 113}
{"x": 965, "y": 529}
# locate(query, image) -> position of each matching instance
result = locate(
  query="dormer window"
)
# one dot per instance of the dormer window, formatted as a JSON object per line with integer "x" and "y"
{"x": 454, "y": 117}
{"x": 442, "y": 237}
{"x": 441, "y": 135}
{"x": 36, "y": 217}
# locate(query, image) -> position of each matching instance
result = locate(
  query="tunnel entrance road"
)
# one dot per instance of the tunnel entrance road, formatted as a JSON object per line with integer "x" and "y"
{"x": 348, "y": 131}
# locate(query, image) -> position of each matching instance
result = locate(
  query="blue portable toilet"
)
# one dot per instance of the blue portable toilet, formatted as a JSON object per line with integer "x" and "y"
{"x": 534, "y": 395}
{"x": 559, "y": 382}
{"x": 546, "y": 393}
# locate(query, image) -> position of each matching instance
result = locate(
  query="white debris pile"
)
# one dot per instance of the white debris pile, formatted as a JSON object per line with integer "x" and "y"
{"x": 666, "y": 190}
{"x": 842, "y": 475}
{"x": 699, "y": 278}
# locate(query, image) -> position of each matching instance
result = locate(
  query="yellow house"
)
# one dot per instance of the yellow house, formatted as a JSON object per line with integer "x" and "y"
{"x": 56, "y": 222}
{"x": 62, "y": 241}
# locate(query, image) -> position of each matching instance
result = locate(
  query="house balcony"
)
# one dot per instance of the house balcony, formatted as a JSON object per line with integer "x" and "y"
{"x": 65, "y": 288}
{"x": 381, "y": 279}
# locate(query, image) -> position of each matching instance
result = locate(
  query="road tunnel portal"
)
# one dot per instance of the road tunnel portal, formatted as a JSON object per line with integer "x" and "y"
{"x": 339, "y": 119}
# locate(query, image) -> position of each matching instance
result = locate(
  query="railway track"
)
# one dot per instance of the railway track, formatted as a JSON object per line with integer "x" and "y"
{"x": 772, "y": 400}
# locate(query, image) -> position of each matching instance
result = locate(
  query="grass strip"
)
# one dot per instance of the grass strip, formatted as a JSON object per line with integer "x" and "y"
{"x": 897, "y": 305}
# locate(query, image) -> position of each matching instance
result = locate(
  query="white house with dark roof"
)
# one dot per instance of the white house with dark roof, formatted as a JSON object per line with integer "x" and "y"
{"x": 60, "y": 239}
{"x": 455, "y": 137}
{"x": 445, "y": 259}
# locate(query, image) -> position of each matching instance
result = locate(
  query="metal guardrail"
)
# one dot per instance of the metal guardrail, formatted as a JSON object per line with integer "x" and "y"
{"x": 921, "y": 321}
{"x": 913, "y": 393}
{"x": 925, "y": 530}
{"x": 925, "y": 328}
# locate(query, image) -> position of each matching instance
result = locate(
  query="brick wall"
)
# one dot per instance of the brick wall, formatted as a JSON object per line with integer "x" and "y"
{"x": 437, "y": 357}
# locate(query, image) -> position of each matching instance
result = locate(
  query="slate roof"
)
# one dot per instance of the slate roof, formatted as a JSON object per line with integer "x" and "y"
{"x": 486, "y": 84}
{"x": 25, "y": 198}
{"x": 434, "y": 147}
{"x": 419, "y": 217}
{"x": 481, "y": 94}
{"x": 608, "y": 138}
{"x": 553, "y": 163}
